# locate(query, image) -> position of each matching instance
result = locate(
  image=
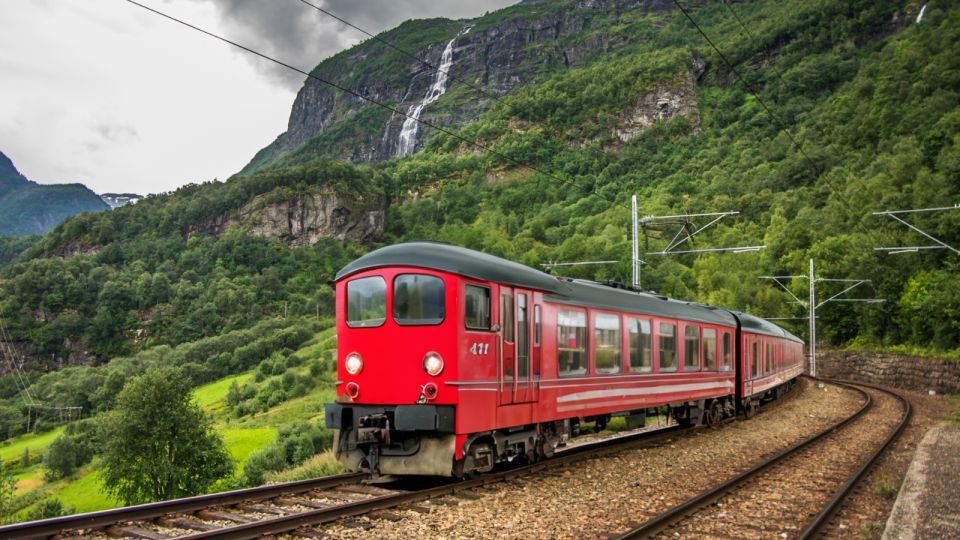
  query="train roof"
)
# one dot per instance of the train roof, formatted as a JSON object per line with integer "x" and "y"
{"x": 456, "y": 260}
{"x": 750, "y": 323}
{"x": 484, "y": 267}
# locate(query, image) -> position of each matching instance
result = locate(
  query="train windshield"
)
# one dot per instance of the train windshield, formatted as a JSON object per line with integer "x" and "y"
{"x": 366, "y": 302}
{"x": 418, "y": 299}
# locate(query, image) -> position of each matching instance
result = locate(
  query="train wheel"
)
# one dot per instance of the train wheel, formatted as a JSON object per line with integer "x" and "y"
{"x": 749, "y": 408}
{"x": 714, "y": 414}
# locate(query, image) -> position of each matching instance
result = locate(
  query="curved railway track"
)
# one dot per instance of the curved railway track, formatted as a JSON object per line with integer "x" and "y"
{"x": 781, "y": 491}
{"x": 289, "y": 507}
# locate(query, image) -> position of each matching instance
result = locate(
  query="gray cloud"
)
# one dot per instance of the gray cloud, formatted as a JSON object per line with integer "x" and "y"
{"x": 301, "y": 36}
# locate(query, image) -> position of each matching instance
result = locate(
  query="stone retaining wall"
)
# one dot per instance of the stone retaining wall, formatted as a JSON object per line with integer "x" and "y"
{"x": 917, "y": 374}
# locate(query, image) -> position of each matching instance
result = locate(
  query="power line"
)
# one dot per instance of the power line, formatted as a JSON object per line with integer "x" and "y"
{"x": 739, "y": 20}
{"x": 20, "y": 379}
{"x": 344, "y": 89}
{"x": 402, "y": 51}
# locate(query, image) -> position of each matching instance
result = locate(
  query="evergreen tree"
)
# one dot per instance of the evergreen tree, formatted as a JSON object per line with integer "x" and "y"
{"x": 157, "y": 443}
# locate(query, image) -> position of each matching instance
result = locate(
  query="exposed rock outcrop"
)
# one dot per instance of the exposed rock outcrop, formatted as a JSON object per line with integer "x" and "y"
{"x": 303, "y": 219}
{"x": 493, "y": 57}
{"x": 666, "y": 100}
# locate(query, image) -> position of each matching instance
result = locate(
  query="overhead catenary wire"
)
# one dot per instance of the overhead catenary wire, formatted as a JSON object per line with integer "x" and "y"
{"x": 372, "y": 101}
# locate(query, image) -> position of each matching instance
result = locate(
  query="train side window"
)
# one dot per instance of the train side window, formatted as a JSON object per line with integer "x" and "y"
{"x": 726, "y": 351}
{"x": 476, "y": 307}
{"x": 606, "y": 342}
{"x": 506, "y": 317}
{"x": 710, "y": 349}
{"x": 640, "y": 357}
{"x": 571, "y": 342}
{"x": 770, "y": 359}
{"x": 366, "y": 302}
{"x": 755, "y": 360}
{"x": 536, "y": 325}
{"x": 691, "y": 348}
{"x": 668, "y": 347}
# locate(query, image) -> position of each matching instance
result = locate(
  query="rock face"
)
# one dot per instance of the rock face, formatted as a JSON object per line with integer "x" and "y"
{"x": 304, "y": 219}
{"x": 496, "y": 55}
{"x": 917, "y": 374}
{"x": 663, "y": 102}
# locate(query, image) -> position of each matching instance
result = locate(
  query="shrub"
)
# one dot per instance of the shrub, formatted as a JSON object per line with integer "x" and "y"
{"x": 49, "y": 508}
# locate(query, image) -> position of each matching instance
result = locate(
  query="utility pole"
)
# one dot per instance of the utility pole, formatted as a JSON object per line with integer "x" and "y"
{"x": 636, "y": 244}
{"x": 812, "y": 305}
{"x": 813, "y": 321}
{"x": 688, "y": 229}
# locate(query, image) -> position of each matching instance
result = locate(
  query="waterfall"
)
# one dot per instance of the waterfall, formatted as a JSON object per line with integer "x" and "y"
{"x": 408, "y": 133}
{"x": 920, "y": 16}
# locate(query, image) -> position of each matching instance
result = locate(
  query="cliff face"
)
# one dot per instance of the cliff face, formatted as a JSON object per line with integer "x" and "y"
{"x": 303, "y": 219}
{"x": 498, "y": 52}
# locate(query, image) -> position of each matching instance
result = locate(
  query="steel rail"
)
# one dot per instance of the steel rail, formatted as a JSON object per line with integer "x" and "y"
{"x": 106, "y": 518}
{"x": 92, "y": 520}
{"x": 817, "y": 524}
{"x": 677, "y": 513}
{"x": 284, "y": 524}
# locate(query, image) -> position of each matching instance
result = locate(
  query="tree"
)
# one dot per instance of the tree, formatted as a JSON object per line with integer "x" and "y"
{"x": 157, "y": 443}
{"x": 7, "y": 484}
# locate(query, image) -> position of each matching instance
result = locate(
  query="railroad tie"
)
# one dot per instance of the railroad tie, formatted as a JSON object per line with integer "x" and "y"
{"x": 220, "y": 515}
{"x": 298, "y": 501}
{"x": 260, "y": 508}
{"x": 184, "y": 522}
{"x": 127, "y": 531}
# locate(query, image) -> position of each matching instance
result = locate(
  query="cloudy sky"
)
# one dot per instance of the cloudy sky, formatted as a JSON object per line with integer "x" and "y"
{"x": 105, "y": 93}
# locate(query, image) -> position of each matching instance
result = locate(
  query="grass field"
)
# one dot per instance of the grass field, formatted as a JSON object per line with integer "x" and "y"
{"x": 212, "y": 397}
{"x": 306, "y": 408}
{"x": 241, "y": 442}
{"x": 13, "y": 448}
{"x": 84, "y": 493}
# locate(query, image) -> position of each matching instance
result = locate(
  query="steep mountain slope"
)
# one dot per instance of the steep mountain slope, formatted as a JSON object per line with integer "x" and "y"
{"x": 496, "y": 53}
{"x": 29, "y": 208}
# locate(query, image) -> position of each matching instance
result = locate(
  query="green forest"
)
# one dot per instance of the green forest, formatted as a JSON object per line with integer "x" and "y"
{"x": 858, "y": 112}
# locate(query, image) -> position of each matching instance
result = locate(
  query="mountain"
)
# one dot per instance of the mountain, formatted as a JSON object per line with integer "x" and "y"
{"x": 507, "y": 49}
{"x": 28, "y": 208}
{"x": 844, "y": 109}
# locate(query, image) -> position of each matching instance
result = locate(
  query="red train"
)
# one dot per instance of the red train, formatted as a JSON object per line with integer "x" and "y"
{"x": 451, "y": 360}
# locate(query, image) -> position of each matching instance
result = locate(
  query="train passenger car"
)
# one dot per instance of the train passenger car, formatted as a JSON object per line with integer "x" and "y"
{"x": 451, "y": 360}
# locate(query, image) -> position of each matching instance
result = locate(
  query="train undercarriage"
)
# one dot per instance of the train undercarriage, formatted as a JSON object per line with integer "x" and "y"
{"x": 420, "y": 439}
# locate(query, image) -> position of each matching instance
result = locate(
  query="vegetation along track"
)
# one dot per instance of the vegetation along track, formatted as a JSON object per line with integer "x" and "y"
{"x": 795, "y": 493}
{"x": 287, "y": 508}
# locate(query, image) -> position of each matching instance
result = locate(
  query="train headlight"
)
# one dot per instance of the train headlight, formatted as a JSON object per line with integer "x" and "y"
{"x": 352, "y": 390}
{"x": 353, "y": 363}
{"x": 432, "y": 364}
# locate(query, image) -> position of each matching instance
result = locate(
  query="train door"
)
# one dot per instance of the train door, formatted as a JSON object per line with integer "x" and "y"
{"x": 523, "y": 391}
{"x": 508, "y": 358}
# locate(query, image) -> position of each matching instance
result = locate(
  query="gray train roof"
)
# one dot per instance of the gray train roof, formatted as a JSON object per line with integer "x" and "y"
{"x": 750, "y": 323}
{"x": 484, "y": 267}
{"x": 457, "y": 260}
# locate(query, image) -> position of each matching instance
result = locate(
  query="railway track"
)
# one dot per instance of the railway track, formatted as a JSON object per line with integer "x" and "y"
{"x": 774, "y": 498}
{"x": 289, "y": 508}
